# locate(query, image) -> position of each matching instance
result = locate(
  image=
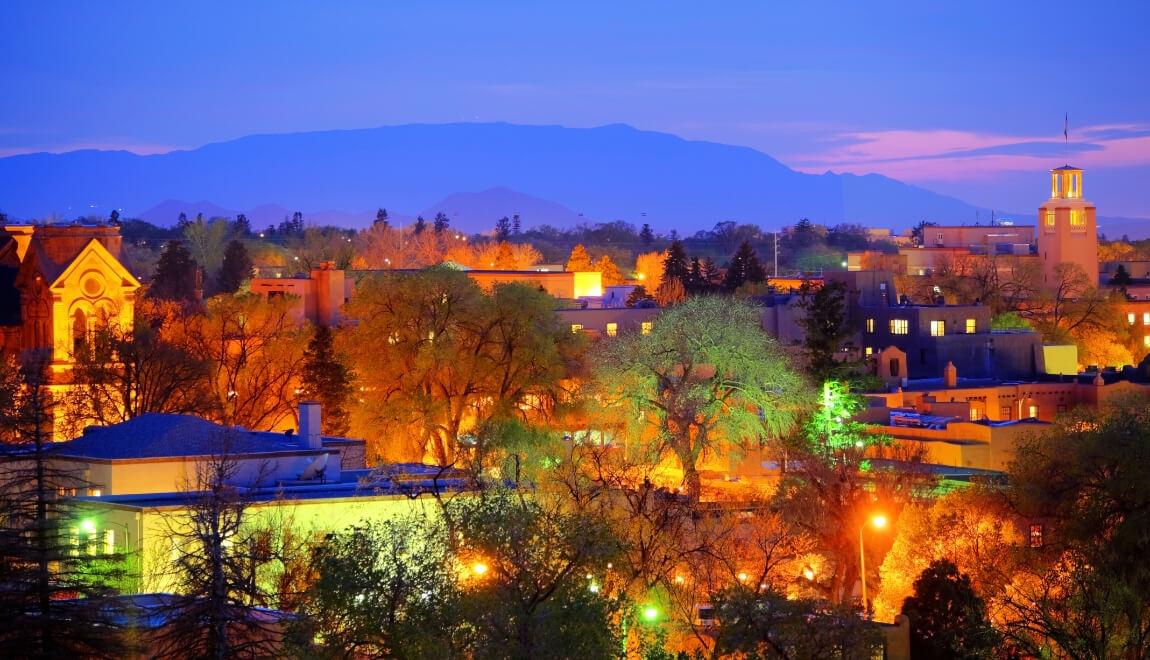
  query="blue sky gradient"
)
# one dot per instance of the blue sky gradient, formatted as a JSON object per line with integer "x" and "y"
{"x": 963, "y": 98}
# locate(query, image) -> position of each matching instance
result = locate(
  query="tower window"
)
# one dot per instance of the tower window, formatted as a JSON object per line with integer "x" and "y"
{"x": 1049, "y": 215}
{"x": 899, "y": 326}
{"x": 1077, "y": 220}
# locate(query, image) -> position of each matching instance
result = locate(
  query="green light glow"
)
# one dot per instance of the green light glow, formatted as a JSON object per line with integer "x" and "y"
{"x": 88, "y": 525}
{"x": 650, "y": 613}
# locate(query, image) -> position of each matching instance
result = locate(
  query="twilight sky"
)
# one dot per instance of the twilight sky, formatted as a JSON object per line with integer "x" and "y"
{"x": 966, "y": 98}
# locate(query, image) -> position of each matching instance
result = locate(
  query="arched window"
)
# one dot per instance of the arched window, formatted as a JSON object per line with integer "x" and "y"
{"x": 79, "y": 328}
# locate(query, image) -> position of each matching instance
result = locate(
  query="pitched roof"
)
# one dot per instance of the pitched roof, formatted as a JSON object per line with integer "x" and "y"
{"x": 158, "y": 435}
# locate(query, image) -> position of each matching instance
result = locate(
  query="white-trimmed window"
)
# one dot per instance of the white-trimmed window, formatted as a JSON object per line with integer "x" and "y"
{"x": 937, "y": 328}
{"x": 899, "y": 326}
{"x": 971, "y": 326}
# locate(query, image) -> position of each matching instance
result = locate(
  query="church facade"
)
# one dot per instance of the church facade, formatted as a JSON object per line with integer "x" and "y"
{"x": 58, "y": 284}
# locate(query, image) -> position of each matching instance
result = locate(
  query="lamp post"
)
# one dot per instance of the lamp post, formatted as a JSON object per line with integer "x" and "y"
{"x": 879, "y": 521}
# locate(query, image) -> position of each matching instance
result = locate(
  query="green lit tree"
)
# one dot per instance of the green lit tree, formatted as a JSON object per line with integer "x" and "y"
{"x": 707, "y": 378}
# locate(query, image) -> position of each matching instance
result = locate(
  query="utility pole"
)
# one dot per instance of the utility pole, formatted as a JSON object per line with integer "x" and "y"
{"x": 776, "y": 254}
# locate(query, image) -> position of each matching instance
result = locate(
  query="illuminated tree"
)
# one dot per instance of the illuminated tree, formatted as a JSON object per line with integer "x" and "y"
{"x": 121, "y": 374}
{"x": 767, "y": 624}
{"x": 947, "y": 618}
{"x": 611, "y": 274}
{"x": 1083, "y": 594}
{"x": 707, "y": 378}
{"x": 314, "y": 246}
{"x": 255, "y": 356}
{"x": 579, "y": 261}
{"x": 833, "y": 486}
{"x": 649, "y": 269}
{"x": 205, "y": 239}
{"x": 436, "y": 358}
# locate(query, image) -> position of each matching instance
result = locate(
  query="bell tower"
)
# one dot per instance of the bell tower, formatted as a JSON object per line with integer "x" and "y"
{"x": 1067, "y": 229}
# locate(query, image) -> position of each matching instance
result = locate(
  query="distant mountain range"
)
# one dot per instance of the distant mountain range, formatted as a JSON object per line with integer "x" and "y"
{"x": 473, "y": 172}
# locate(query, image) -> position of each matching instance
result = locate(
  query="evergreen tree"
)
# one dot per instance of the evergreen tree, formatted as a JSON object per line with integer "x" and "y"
{"x": 236, "y": 268}
{"x": 327, "y": 380}
{"x": 744, "y": 267}
{"x": 947, "y": 618}
{"x": 242, "y": 228}
{"x": 639, "y": 297}
{"x": 646, "y": 235}
{"x": 420, "y": 225}
{"x": 611, "y": 272}
{"x": 1121, "y": 277}
{"x": 710, "y": 272}
{"x": 825, "y": 327}
{"x": 182, "y": 221}
{"x": 56, "y": 568}
{"x": 503, "y": 229}
{"x": 696, "y": 283}
{"x": 579, "y": 261}
{"x": 114, "y": 217}
{"x": 675, "y": 266}
{"x": 441, "y": 223}
{"x": 380, "y": 219}
{"x": 175, "y": 277}
{"x": 516, "y": 225}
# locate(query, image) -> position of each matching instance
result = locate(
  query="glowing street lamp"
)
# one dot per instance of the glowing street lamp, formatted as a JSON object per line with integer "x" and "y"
{"x": 479, "y": 569}
{"x": 879, "y": 521}
{"x": 650, "y": 613}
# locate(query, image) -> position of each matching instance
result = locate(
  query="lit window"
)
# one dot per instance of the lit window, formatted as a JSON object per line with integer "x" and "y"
{"x": 870, "y": 325}
{"x": 1130, "y": 318}
{"x": 1146, "y": 340}
{"x": 612, "y": 329}
{"x": 646, "y": 327}
{"x": 1004, "y": 412}
{"x": 1050, "y": 219}
{"x": 870, "y": 351}
{"x": 1077, "y": 219}
{"x": 1145, "y": 318}
{"x": 576, "y": 328}
{"x": 1033, "y": 411}
{"x": 1036, "y": 536}
{"x": 899, "y": 326}
{"x": 974, "y": 416}
{"x": 971, "y": 326}
{"x": 937, "y": 328}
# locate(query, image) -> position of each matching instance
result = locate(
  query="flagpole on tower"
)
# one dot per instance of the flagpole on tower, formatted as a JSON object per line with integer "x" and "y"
{"x": 1066, "y": 137}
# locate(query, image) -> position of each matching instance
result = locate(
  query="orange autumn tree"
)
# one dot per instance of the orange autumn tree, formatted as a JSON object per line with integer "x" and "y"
{"x": 436, "y": 359}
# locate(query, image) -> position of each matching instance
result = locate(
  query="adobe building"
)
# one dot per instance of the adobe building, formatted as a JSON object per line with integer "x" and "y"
{"x": 319, "y": 297}
{"x": 58, "y": 283}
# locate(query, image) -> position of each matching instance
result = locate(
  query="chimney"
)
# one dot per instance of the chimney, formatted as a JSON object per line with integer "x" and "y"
{"x": 949, "y": 376}
{"x": 310, "y": 420}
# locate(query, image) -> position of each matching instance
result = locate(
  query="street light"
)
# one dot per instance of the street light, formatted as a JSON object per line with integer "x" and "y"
{"x": 879, "y": 521}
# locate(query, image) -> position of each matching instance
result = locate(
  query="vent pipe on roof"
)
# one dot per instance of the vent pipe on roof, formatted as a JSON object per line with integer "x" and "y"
{"x": 310, "y": 424}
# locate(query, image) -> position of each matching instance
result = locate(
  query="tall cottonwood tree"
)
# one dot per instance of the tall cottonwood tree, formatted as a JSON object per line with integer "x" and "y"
{"x": 56, "y": 575}
{"x": 254, "y": 352}
{"x": 706, "y": 378}
{"x": 436, "y": 358}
